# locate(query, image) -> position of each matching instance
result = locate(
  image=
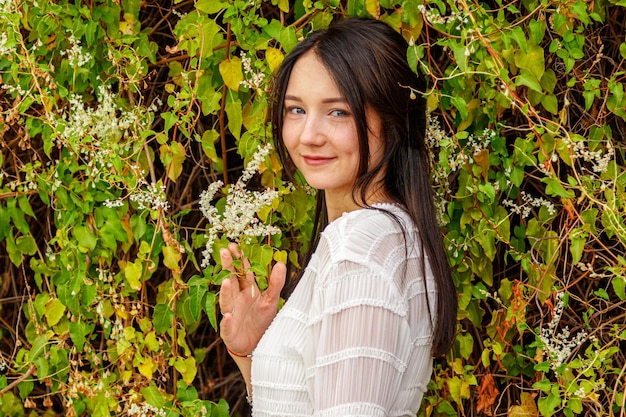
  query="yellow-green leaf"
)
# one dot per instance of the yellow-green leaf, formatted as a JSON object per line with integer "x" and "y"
{"x": 133, "y": 274}
{"x": 283, "y": 5}
{"x": 151, "y": 342}
{"x": 171, "y": 257}
{"x": 146, "y": 367}
{"x": 54, "y": 311}
{"x": 231, "y": 73}
{"x": 373, "y": 8}
{"x": 274, "y": 58}
{"x": 527, "y": 408}
{"x": 187, "y": 368}
{"x": 281, "y": 256}
{"x": 175, "y": 167}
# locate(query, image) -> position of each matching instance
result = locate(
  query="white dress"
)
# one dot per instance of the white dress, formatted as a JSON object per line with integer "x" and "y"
{"x": 355, "y": 337}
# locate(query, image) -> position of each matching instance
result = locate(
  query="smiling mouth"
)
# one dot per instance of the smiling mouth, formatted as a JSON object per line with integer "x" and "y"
{"x": 316, "y": 160}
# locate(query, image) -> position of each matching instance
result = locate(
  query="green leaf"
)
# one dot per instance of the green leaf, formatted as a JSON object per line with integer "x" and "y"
{"x": 486, "y": 236}
{"x": 577, "y": 245}
{"x": 619, "y": 286}
{"x": 231, "y": 72}
{"x": 162, "y": 318}
{"x": 210, "y": 6}
{"x": 461, "y": 106}
{"x": 221, "y": 409}
{"x": 86, "y": 239}
{"x": 533, "y": 60}
{"x": 373, "y": 8}
{"x": 54, "y": 311}
{"x": 466, "y": 345}
{"x": 235, "y": 118}
{"x": 548, "y": 405}
{"x": 208, "y": 144}
{"x": 555, "y": 188}
{"x": 548, "y": 81}
{"x": 78, "y": 331}
{"x": 26, "y": 245}
{"x": 133, "y": 273}
{"x": 528, "y": 79}
{"x": 537, "y": 30}
{"x": 196, "y": 296}
{"x": 171, "y": 258}
{"x": 24, "y": 205}
{"x": 550, "y": 103}
{"x": 288, "y": 38}
{"x": 517, "y": 33}
{"x": 460, "y": 55}
{"x": 210, "y": 306}
{"x": 274, "y": 58}
{"x": 187, "y": 368}
{"x": 175, "y": 167}
{"x": 153, "y": 396}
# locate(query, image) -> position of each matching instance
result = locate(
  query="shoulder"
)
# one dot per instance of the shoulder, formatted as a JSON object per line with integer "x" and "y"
{"x": 378, "y": 237}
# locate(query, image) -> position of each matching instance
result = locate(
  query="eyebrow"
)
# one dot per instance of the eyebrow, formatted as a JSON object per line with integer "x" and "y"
{"x": 325, "y": 101}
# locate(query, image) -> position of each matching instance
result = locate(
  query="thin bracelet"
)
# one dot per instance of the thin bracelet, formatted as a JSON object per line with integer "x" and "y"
{"x": 237, "y": 354}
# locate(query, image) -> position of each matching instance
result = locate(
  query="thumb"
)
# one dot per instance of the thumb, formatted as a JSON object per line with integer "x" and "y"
{"x": 276, "y": 281}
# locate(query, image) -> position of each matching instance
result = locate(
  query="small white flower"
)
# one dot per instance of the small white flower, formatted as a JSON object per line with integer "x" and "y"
{"x": 239, "y": 222}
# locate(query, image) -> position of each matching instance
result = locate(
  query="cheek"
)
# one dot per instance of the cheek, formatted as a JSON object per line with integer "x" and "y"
{"x": 289, "y": 138}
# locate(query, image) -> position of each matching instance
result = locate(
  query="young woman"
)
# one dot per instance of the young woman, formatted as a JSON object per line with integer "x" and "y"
{"x": 376, "y": 300}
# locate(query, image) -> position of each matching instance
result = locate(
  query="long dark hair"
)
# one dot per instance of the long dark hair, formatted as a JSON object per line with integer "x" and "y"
{"x": 368, "y": 62}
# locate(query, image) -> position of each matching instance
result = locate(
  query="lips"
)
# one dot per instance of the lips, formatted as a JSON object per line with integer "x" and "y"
{"x": 316, "y": 160}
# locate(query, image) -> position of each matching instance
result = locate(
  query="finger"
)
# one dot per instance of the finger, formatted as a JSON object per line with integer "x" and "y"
{"x": 227, "y": 260}
{"x": 245, "y": 264}
{"x": 227, "y": 263}
{"x": 234, "y": 248}
{"x": 226, "y": 298}
{"x": 276, "y": 282}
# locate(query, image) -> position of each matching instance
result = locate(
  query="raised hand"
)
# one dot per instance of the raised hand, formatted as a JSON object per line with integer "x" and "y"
{"x": 246, "y": 312}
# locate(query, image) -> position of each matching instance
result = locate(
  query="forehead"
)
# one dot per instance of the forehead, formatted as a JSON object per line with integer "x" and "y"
{"x": 310, "y": 78}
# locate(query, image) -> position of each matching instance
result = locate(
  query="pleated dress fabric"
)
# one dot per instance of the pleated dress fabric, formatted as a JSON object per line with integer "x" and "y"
{"x": 355, "y": 337}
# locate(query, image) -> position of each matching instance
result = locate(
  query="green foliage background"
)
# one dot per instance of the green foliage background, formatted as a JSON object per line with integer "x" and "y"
{"x": 116, "y": 114}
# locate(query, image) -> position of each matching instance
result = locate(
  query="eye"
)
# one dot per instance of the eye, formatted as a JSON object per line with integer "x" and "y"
{"x": 295, "y": 110}
{"x": 339, "y": 113}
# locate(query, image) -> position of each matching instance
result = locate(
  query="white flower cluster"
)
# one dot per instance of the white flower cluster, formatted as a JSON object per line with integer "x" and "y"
{"x": 152, "y": 197}
{"x": 114, "y": 203}
{"x": 598, "y": 159}
{"x": 437, "y": 137}
{"x": 76, "y": 55}
{"x": 239, "y": 220}
{"x": 434, "y": 16}
{"x": 529, "y": 201}
{"x": 5, "y": 5}
{"x": 597, "y": 386}
{"x": 146, "y": 410}
{"x": 587, "y": 267}
{"x": 558, "y": 345}
{"x": 98, "y": 134}
{"x": 14, "y": 89}
{"x": 477, "y": 144}
{"x": 255, "y": 79}
{"x": 452, "y": 158}
{"x": 101, "y": 122}
{"x": 4, "y": 49}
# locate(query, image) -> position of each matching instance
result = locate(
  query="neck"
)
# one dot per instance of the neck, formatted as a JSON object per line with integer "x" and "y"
{"x": 340, "y": 203}
{"x": 337, "y": 205}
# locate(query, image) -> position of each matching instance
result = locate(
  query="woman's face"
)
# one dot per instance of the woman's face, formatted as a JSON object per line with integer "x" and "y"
{"x": 319, "y": 130}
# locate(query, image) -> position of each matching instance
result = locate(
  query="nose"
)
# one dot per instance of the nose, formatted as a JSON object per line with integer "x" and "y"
{"x": 312, "y": 133}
